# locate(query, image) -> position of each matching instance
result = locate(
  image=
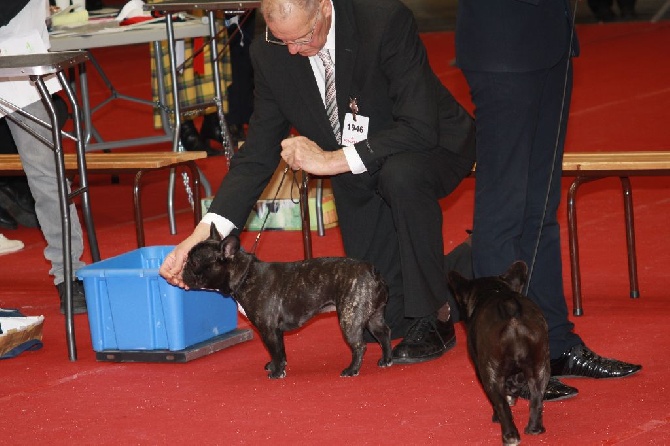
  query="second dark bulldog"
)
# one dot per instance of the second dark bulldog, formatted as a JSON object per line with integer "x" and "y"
{"x": 508, "y": 342}
{"x": 278, "y": 297}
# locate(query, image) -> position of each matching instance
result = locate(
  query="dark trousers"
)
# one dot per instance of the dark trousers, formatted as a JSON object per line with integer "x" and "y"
{"x": 394, "y": 220}
{"x": 240, "y": 93}
{"x": 518, "y": 184}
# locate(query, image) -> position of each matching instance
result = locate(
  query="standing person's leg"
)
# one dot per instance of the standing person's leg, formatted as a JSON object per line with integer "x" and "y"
{"x": 40, "y": 167}
{"x": 506, "y": 118}
{"x": 16, "y": 202}
{"x": 241, "y": 90}
{"x": 505, "y": 122}
{"x": 545, "y": 285}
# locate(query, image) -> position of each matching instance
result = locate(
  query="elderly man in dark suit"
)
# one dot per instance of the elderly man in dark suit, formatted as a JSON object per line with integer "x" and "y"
{"x": 515, "y": 55}
{"x": 394, "y": 143}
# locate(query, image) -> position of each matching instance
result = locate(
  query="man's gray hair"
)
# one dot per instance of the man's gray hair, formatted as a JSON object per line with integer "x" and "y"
{"x": 280, "y": 10}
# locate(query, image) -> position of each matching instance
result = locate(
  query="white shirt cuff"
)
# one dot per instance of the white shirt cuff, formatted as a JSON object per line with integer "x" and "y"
{"x": 354, "y": 160}
{"x": 223, "y": 225}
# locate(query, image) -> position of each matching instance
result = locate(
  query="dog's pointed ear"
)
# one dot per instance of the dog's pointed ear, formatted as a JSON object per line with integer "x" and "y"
{"x": 214, "y": 233}
{"x": 459, "y": 284}
{"x": 516, "y": 276}
{"x": 229, "y": 246}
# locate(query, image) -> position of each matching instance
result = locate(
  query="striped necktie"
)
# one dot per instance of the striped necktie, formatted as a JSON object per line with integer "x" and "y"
{"x": 331, "y": 96}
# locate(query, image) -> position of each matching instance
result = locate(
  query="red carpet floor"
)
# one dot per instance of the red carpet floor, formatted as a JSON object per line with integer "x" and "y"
{"x": 621, "y": 99}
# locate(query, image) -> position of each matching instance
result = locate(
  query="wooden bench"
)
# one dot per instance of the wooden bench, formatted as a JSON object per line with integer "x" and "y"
{"x": 591, "y": 166}
{"x": 122, "y": 162}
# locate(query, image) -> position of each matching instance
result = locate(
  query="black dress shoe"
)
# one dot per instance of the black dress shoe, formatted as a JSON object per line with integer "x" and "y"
{"x": 237, "y": 132}
{"x": 581, "y": 361}
{"x": 6, "y": 220}
{"x": 426, "y": 339}
{"x": 19, "y": 205}
{"x": 556, "y": 391}
{"x": 211, "y": 128}
{"x": 192, "y": 141}
{"x": 78, "y": 297}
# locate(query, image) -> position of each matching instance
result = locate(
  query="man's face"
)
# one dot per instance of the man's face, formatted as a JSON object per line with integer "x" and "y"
{"x": 303, "y": 33}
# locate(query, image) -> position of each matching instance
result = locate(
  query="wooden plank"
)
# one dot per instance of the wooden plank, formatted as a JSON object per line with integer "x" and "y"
{"x": 573, "y": 163}
{"x": 616, "y": 162}
{"x": 113, "y": 161}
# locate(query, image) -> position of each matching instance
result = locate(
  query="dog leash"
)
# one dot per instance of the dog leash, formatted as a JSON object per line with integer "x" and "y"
{"x": 558, "y": 136}
{"x": 267, "y": 214}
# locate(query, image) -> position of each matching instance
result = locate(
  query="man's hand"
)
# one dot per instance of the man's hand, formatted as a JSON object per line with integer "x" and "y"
{"x": 174, "y": 263}
{"x": 301, "y": 153}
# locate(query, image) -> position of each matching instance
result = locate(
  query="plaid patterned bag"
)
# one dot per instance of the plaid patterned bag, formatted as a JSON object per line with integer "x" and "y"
{"x": 196, "y": 80}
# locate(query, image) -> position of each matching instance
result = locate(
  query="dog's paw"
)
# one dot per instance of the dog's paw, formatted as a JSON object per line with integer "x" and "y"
{"x": 383, "y": 362}
{"x": 511, "y": 439}
{"x": 276, "y": 371}
{"x": 349, "y": 372}
{"x": 534, "y": 430}
{"x": 277, "y": 375}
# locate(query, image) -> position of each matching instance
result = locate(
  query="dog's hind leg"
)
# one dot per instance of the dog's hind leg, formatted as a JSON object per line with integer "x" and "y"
{"x": 535, "y": 424}
{"x": 501, "y": 411}
{"x": 357, "y": 352}
{"x": 353, "y": 335}
{"x": 382, "y": 334}
{"x": 274, "y": 342}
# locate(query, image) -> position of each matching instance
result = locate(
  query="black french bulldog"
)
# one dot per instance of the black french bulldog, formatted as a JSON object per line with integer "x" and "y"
{"x": 278, "y": 297}
{"x": 508, "y": 342}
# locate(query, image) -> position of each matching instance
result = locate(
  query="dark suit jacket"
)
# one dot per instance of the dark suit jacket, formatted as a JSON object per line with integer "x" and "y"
{"x": 512, "y": 35}
{"x": 381, "y": 61}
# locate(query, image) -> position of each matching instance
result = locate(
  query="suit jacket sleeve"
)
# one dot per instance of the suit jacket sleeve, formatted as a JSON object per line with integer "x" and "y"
{"x": 411, "y": 108}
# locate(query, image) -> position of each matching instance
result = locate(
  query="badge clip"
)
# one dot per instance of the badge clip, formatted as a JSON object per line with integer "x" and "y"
{"x": 353, "y": 106}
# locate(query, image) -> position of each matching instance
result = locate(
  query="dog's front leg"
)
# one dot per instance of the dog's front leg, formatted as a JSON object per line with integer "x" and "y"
{"x": 274, "y": 342}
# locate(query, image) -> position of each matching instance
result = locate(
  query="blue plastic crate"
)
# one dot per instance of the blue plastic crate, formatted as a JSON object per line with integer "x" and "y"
{"x": 130, "y": 307}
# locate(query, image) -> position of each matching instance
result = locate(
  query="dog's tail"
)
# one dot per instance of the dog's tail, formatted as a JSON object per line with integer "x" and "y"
{"x": 509, "y": 308}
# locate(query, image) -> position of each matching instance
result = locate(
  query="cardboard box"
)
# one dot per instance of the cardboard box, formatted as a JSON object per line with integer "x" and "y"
{"x": 130, "y": 307}
{"x": 284, "y": 211}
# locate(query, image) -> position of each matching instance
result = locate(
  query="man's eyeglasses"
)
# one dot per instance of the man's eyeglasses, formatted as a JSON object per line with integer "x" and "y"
{"x": 269, "y": 38}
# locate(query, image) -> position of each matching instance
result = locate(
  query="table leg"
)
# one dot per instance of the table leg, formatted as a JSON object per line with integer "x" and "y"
{"x": 65, "y": 216}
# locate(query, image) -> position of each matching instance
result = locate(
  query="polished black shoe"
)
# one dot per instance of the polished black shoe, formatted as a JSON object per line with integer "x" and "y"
{"x": 192, "y": 141}
{"x": 211, "y": 128}
{"x": 6, "y": 220}
{"x": 426, "y": 339}
{"x": 237, "y": 132}
{"x": 556, "y": 391}
{"x": 78, "y": 297}
{"x": 20, "y": 206}
{"x": 580, "y": 361}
